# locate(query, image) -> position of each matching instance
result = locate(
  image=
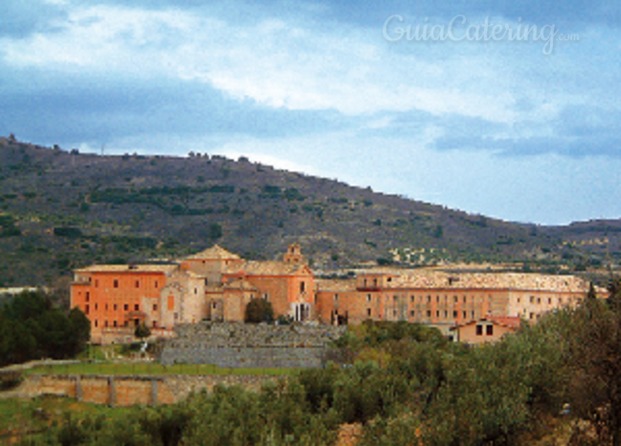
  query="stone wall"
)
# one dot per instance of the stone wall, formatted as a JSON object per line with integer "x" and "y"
{"x": 131, "y": 390}
{"x": 249, "y": 345}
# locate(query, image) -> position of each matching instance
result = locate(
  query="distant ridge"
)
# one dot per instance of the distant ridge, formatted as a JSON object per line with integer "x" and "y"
{"x": 61, "y": 210}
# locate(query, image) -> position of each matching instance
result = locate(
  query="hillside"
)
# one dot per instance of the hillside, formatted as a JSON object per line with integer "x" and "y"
{"x": 60, "y": 210}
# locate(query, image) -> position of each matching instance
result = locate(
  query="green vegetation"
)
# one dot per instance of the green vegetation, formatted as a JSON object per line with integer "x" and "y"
{"x": 150, "y": 368}
{"x": 405, "y": 384}
{"x": 259, "y": 310}
{"x": 31, "y": 327}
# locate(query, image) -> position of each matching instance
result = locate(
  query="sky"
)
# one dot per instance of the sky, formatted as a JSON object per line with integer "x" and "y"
{"x": 509, "y": 109}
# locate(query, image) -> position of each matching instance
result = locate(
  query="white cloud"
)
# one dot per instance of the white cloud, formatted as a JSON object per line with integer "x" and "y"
{"x": 277, "y": 64}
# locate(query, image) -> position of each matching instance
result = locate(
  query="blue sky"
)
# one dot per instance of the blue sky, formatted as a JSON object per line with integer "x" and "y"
{"x": 503, "y": 108}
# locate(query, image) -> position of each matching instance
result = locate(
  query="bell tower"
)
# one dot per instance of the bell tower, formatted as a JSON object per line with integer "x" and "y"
{"x": 294, "y": 254}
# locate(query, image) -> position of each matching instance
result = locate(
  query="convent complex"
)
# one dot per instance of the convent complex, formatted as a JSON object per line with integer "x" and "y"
{"x": 217, "y": 285}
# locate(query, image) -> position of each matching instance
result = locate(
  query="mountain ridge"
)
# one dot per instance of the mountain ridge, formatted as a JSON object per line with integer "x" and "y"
{"x": 61, "y": 209}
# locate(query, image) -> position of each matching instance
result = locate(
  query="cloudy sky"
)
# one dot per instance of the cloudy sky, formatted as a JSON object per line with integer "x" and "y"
{"x": 506, "y": 108}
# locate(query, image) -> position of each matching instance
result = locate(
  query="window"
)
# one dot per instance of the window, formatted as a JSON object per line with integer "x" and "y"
{"x": 454, "y": 313}
{"x": 336, "y": 297}
{"x": 115, "y": 284}
{"x": 302, "y": 287}
{"x": 96, "y": 307}
{"x": 136, "y": 307}
{"x": 114, "y": 323}
{"x": 479, "y": 330}
{"x": 115, "y": 307}
{"x": 464, "y": 299}
{"x": 437, "y": 313}
{"x": 88, "y": 296}
{"x": 464, "y": 314}
{"x": 369, "y": 312}
{"x": 125, "y": 307}
{"x": 154, "y": 307}
{"x": 137, "y": 284}
{"x": 428, "y": 299}
{"x": 437, "y": 299}
{"x": 96, "y": 283}
{"x": 549, "y": 300}
{"x": 412, "y": 313}
{"x": 539, "y": 300}
{"x": 368, "y": 298}
{"x": 412, "y": 299}
{"x": 195, "y": 290}
{"x": 489, "y": 330}
{"x": 176, "y": 316}
{"x": 106, "y": 324}
{"x": 532, "y": 299}
{"x": 96, "y": 323}
{"x": 156, "y": 284}
{"x": 154, "y": 324}
{"x": 455, "y": 299}
{"x": 86, "y": 309}
{"x": 428, "y": 313}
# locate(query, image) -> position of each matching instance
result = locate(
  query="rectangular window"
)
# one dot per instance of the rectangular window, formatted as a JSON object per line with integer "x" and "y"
{"x": 455, "y": 299}
{"x": 412, "y": 313}
{"x": 455, "y": 314}
{"x": 136, "y": 307}
{"x": 125, "y": 307}
{"x": 88, "y": 296}
{"x": 86, "y": 309}
{"x": 156, "y": 284}
{"x": 479, "y": 330}
{"x": 489, "y": 330}
{"x": 96, "y": 307}
{"x": 115, "y": 307}
{"x": 154, "y": 307}
{"x": 96, "y": 323}
{"x": 154, "y": 324}
{"x": 428, "y": 313}
{"x": 115, "y": 284}
{"x": 369, "y": 312}
{"x": 336, "y": 298}
{"x": 412, "y": 299}
{"x": 368, "y": 298}
{"x": 464, "y": 314}
{"x": 106, "y": 324}
{"x": 114, "y": 323}
{"x": 437, "y": 313}
{"x": 137, "y": 283}
{"x": 302, "y": 287}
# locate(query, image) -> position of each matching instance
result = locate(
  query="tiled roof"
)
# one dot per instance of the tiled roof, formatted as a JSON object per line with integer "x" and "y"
{"x": 240, "y": 284}
{"x": 335, "y": 284}
{"x": 511, "y": 281}
{"x": 128, "y": 269}
{"x": 271, "y": 268}
{"x": 216, "y": 252}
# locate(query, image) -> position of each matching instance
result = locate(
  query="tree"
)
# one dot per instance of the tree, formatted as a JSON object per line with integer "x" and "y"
{"x": 259, "y": 310}
{"x": 142, "y": 331}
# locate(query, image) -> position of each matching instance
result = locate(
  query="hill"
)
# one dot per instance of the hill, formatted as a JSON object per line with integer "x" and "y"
{"x": 60, "y": 210}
